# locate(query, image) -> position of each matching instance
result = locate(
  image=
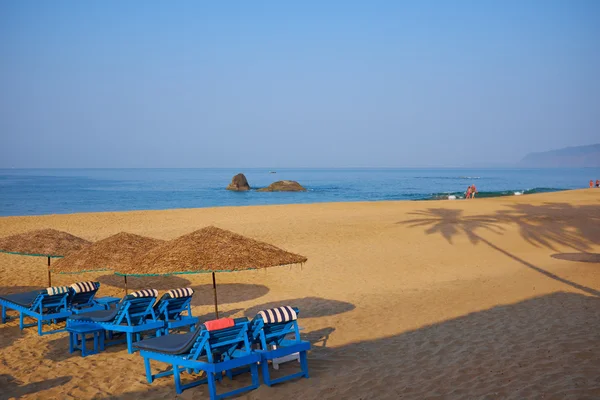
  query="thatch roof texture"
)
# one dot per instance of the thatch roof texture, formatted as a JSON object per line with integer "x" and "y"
{"x": 42, "y": 242}
{"x": 210, "y": 249}
{"x": 106, "y": 253}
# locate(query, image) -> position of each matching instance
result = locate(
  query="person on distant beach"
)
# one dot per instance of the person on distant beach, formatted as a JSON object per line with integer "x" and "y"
{"x": 473, "y": 191}
{"x": 598, "y": 183}
{"x": 468, "y": 194}
{"x": 591, "y": 183}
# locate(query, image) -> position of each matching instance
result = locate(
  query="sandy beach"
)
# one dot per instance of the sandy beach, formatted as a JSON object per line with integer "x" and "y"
{"x": 491, "y": 298}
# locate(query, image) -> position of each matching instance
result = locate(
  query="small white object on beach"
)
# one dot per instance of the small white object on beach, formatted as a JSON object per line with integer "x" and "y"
{"x": 518, "y": 193}
{"x": 452, "y": 197}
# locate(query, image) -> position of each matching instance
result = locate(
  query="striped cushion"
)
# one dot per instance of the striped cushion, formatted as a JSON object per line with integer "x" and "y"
{"x": 84, "y": 287}
{"x": 57, "y": 290}
{"x": 145, "y": 293}
{"x": 279, "y": 314}
{"x": 182, "y": 292}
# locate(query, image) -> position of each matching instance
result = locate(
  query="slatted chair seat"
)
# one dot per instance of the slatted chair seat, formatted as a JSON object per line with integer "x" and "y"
{"x": 270, "y": 331}
{"x": 46, "y": 306}
{"x": 213, "y": 352}
{"x": 174, "y": 307}
{"x": 133, "y": 315}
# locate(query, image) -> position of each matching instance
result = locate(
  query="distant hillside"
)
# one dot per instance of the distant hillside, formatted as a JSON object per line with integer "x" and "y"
{"x": 570, "y": 157}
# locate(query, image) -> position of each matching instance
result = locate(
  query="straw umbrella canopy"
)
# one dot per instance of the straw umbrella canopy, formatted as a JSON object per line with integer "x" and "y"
{"x": 209, "y": 250}
{"x": 49, "y": 243}
{"x": 106, "y": 254}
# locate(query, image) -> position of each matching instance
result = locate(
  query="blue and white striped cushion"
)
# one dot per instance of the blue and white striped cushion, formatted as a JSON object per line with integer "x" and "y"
{"x": 84, "y": 287}
{"x": 57, "y": 290}
{"x": 145, "y": 293}
{"x": 181, "y": 292}
{"x": 279, "y": 314}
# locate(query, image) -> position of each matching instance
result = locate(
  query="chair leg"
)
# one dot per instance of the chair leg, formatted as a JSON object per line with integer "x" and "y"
{"x": 96, "y": 334}
{"x": 304, "y": 363}
{"x": 254, "y": 372}
{"x": 21, "y": 323}
{"x": 83, "y": 345}
{"x": 148, "y": 370}
{"x": 177, "y": 378}
{"x": 3, "y": 315}
{"x": 265, "y": 372}
{"x": 212, "y": 389}
{"x": 71, "y": 347}
{"x": 40, "y": 327}
{"x": 129, "y": 342}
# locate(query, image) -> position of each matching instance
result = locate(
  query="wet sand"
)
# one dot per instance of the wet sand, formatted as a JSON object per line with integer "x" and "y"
{"x": 490, "y": 298}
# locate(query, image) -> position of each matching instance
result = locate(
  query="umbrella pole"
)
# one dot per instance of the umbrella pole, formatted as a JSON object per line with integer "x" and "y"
{"x": 49, "y": 274}
{"x": 125, "y": 276}
{"x": 215, "y": 291}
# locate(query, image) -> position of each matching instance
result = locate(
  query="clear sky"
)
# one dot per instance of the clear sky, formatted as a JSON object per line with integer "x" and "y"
{"x": 295, "y": 83}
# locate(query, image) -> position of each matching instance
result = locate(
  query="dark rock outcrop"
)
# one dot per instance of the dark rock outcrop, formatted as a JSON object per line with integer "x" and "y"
{"x": 239, "y": 183}
{"x": 283, "y": 186}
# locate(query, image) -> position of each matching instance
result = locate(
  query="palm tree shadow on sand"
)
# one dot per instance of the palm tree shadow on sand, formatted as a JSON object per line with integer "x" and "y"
{"x": 548, "y": 225}
{"x": 11, "y": 388}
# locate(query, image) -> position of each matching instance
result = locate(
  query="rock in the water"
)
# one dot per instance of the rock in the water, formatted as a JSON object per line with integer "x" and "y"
{"x": 283, "y": 186}
{"x": 239, "y": 183}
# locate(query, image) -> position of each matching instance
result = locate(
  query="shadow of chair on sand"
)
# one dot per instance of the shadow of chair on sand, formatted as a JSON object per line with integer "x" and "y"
{"x": 227, "y": 293}
{"x": 11, "y": 388}
{"x": 310, "y": 307}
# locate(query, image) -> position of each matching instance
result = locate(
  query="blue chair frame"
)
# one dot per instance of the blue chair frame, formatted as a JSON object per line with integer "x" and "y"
{"x": 85, "y": 301}
{"x": 132, "y": 316}
{"x": 171, "y": 309}
{"x": 39, "y": 305}
{"x": 268, "y": 335}
{"x": 223, "y": 350}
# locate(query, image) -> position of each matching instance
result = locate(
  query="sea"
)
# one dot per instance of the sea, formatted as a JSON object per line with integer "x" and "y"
{"x": 60, "y": 191}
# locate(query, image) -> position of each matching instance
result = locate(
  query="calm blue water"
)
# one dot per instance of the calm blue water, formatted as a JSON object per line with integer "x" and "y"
{"x": 50, "y": 191}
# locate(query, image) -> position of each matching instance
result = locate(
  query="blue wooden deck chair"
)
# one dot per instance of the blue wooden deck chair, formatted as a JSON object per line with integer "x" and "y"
{"x": 47, "y": 306}
{"x": 174, "y": 307}
{"x": 82, "y": 297}
{"x": 270, "y": 331}
{"x": 211, "y": 351}
{"x": 132, "y": 316}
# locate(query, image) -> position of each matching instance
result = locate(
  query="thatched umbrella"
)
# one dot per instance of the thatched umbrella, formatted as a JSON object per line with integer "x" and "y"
{"x": 44, "y": 243}
{"x": 106, "y": 254}
{"x": 211, "y": 250}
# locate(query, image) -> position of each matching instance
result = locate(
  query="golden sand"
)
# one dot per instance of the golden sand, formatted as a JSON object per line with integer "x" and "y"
{"x": 436, "y": 299}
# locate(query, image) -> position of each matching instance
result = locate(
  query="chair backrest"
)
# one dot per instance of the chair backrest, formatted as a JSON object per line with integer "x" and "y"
{"x": 51, "y": 300}
{"x": 136, "y": 308}
{"x": 173, "y": 303}
{"x": 82, "y": 293}
{"x": 273, "y": 331}
{"x": 222, "y": 343}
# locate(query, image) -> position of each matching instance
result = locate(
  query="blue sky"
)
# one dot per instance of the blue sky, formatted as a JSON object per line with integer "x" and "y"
{"x": 295, "y": 84}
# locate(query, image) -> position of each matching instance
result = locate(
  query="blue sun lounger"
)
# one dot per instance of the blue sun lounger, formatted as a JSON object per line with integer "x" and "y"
{"x": 211, "y": 351}
{"x": 82, "y": 297}
{"x": 268, "y": 331}
{"x": 132, "y": 316}
{"x": 47, "y": 306}
{"x": 174, "y": 308}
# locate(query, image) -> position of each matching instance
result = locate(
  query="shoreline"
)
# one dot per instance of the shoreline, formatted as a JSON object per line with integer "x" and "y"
{"x": 427, "y": 201}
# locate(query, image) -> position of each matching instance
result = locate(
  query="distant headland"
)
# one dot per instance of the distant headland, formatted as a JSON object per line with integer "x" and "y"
{"x": 568, "y": 157}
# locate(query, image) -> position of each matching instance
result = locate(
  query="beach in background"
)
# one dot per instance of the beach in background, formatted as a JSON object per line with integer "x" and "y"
{"x": 60, "y": 191}
{"x": 492, "y": 298}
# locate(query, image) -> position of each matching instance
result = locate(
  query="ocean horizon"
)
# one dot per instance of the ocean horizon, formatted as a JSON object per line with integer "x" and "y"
{"x": 61, "y": 191}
